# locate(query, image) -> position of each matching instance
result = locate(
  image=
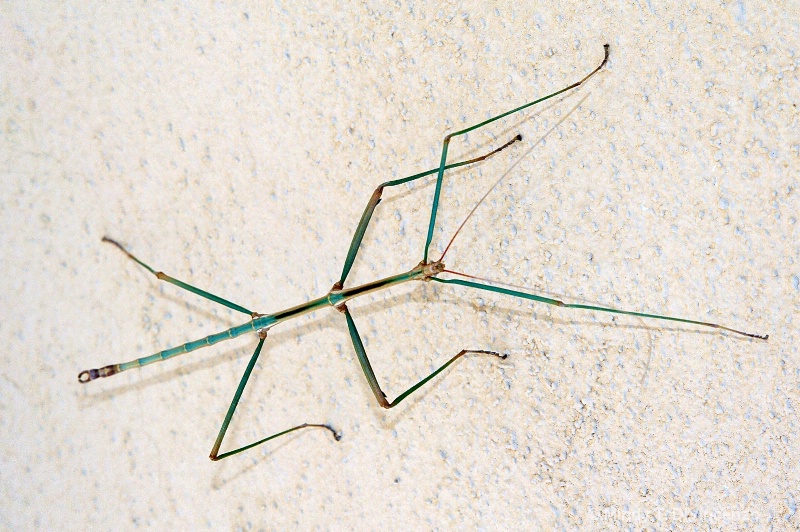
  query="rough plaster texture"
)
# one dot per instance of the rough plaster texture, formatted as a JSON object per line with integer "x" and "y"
{"x": 234, "y": 147}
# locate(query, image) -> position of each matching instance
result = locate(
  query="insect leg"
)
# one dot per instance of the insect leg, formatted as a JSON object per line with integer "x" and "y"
{"x": 446, "y": 144}
{"x": 370, "y": 374}
{"x": 164, "y": 277}
{"x": 376, "y": 198}
{"x": 235, "y": 402}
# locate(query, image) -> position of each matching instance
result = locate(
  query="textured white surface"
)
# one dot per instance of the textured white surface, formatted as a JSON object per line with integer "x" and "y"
{"x": 235, "y": 149}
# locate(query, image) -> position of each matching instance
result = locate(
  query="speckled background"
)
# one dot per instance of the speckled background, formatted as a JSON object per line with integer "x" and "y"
{"x": 234, "y": 147}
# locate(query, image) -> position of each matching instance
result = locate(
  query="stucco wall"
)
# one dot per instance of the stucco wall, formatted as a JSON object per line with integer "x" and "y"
{"x": 235, "y": 148}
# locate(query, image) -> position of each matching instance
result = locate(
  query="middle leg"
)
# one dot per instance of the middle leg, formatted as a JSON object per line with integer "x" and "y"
{"x": 370, "y": 374}
{"x": 358, "y": 236}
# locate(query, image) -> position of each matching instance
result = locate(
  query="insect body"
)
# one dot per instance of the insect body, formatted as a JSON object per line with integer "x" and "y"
{"x": 427, "y": 270}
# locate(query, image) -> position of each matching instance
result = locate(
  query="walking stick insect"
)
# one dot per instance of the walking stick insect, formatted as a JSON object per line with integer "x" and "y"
{"x": 427, "y": 270}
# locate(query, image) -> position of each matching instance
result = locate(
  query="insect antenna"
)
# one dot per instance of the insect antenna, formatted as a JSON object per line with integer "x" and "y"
{"x": 508, "y": 171}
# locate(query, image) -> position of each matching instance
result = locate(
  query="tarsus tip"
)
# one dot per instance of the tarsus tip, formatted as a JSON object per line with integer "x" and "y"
{"x": 751, "y": 335}
{"x": 336, "y": 434}
{"x": 114, "y": 243}
{"x": 485, "y": 352}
